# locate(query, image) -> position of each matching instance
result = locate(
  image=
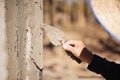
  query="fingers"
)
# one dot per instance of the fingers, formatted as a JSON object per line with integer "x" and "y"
{"x": 74, "y": 46}
{"x": 68, "y": 47}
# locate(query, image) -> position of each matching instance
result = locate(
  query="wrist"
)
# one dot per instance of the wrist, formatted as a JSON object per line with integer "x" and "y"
{"x": 90, "y": 58}
{"x": 86, "y": 56}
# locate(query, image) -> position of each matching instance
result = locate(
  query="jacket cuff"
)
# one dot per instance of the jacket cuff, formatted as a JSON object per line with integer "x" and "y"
{"x": 97, "y": 64}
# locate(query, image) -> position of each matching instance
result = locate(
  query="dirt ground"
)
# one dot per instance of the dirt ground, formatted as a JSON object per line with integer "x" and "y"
{"x": 59, "y": 66}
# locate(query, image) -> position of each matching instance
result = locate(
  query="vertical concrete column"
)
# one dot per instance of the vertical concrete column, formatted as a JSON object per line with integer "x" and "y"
{"x": 11, "y": 34}
{"x": 3, "y": 51}
{"x": 24, "y": 39}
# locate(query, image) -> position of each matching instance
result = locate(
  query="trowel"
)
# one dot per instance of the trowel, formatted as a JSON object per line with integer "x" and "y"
{"x": 56, "y": 37}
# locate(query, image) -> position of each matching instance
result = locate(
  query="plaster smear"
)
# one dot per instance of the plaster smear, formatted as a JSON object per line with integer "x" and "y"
{"x": 28, "y": 50}
{"x": 56, "y": 36}
{"x": 108, "y": 13}
{"x": 3, "y": 52}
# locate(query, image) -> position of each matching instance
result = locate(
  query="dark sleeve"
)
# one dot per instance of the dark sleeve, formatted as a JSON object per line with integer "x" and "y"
{"x": 109, "y": 70}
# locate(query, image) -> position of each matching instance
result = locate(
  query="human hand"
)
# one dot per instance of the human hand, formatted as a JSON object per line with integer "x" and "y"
{"x": 78, "y": 49}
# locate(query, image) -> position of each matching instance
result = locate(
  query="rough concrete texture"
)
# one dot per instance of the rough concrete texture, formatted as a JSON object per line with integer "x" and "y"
{"x": 3, "y": 51}
{"x": 24, "y": 39}
{"x": 108, "y": 12}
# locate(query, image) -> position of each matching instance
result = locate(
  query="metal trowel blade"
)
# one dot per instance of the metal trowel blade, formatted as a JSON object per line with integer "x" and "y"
{"x": 55, "y": 35}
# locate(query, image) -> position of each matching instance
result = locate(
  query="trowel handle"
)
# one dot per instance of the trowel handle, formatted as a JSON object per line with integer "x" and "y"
{"x": 73, "y": 57}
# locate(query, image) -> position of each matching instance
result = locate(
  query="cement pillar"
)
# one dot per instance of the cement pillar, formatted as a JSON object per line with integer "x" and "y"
{"x": 3, "y": 49}
{"x": 21, "y": 40}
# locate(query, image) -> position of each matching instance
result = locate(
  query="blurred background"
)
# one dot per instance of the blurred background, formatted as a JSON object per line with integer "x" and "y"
{"x": 75, "y": 18}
